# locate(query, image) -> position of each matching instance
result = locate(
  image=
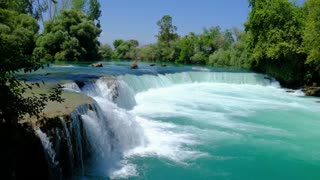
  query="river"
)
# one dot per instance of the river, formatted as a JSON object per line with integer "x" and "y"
{"x": 193, "y": 123}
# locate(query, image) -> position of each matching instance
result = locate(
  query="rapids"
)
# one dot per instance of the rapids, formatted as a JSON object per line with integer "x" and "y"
{"x": 199, "y": 125}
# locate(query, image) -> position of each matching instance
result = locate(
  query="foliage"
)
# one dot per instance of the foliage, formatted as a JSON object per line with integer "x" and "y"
{"x": 148, "y": 52}
{"x": 311, "y": 36}
{"x": 167, "y": 31}
{"x": 17, "y": 35}
{"x": 187, "y": 48}
{"x": 71, "y": 36}
{"x": 125, "y": 49}
{"x": 167, "y": 39}
{"x": 275, "y": 29}
{"x": 105, "y": 51}
{"x": 94, "y": 11}
{"x": 235, "y": 55}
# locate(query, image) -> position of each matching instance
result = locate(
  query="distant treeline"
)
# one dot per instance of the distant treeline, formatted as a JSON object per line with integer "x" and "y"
{"x": 280, "y": 38}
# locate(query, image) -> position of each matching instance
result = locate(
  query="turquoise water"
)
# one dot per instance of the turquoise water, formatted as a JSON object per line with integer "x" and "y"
{"x": 231, "y": 131}
{"x": 197, "y": 123}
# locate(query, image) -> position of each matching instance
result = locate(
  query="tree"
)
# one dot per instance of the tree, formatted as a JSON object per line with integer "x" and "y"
{"x": 187, "y": 48}
{"x": 167, "y": 39}
{"x": 148, "y": 52}
{"x": 167, "y": 32}
{"x": 94, "y": 12}
{"x": 311, "y": 37}
{"x": 71, "y": 36}
{"x": 117, "y": 43}
{"x": 275, "y": 38}
{"x": 17, "y": 35}
{"x": 125, "y": 49}
{"x": 105, "y": 51}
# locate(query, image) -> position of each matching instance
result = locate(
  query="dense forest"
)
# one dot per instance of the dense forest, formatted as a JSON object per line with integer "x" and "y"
{"x": 280, "y": 38}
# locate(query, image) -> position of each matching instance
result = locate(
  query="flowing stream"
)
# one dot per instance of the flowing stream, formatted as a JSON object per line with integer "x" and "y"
{"x": 200, "y": 125}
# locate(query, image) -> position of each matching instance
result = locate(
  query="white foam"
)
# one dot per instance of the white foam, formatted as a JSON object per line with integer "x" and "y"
{"x": 213, "y": 104}
{"x": 165, "y": 141}
{"x": 71, "y": 86}
{"x": 63, "y": 66}
{"x": 127, "y": 170}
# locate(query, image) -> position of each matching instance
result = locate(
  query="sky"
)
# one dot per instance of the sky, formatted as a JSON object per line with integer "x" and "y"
{"x": 136, "y": 19}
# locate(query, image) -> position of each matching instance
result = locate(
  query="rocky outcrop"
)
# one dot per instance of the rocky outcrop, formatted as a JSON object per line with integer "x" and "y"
{"x": 312, "y": 91}
{"x": 54, "y": 146}
{"x": 113, "y": 85}
{"x": 70, "y": 147}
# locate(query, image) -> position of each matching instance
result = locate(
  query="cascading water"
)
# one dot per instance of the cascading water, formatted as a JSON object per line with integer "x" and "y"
{"x": 195, "y": 125}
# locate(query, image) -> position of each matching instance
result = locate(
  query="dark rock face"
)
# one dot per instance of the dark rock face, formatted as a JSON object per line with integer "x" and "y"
{"x": 69, "y": 142}
{"x": 313, "y": 91}
{"x": 22, "y": 155}
{"x": 97, "y": 65}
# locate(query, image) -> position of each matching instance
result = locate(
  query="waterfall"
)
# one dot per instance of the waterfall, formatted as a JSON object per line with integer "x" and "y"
{"x": 111, "y": 129}
{"x": 101, "y": 134}
{"x": 48, "y": 146}
{"x": 71, "y": 86}
{"x": 145, "y": 82}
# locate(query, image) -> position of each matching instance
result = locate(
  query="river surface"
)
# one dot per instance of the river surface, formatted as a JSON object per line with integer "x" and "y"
{"x": 195, "y": 123}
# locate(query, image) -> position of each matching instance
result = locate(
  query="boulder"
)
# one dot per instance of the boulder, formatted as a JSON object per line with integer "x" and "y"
{"x": 97, "y": 65}
{"x": 152, "y": 64}
{"x": 313, "y": 91}
{"x": 164, "y": 65}
{"x": 134, "y": 65}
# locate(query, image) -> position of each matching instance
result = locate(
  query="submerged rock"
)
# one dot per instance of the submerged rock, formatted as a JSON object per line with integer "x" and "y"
{"x": 163, "y": 65}
{"x": 290, "y": 91}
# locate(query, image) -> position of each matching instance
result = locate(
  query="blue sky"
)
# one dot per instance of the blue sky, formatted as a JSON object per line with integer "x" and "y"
{"x": 136, "y": 19}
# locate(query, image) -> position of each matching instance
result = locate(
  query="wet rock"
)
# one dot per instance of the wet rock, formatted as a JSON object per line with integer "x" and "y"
{"x": 290, "y": 91}
{"x": 134, "y": 65}
{"x": 313, "y": 91}
{"x": 113, "y": 84}
{"x": 97, "y": 65}
{"x": 152, "y": 65}
{"x": 163, "y": 65}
